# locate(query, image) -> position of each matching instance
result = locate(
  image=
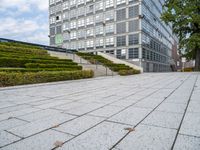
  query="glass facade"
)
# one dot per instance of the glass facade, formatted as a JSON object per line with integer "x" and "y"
{"x": 130, "y": 29}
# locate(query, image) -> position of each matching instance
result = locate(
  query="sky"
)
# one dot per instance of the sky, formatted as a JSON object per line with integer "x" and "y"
{"x": 24, "y": 20}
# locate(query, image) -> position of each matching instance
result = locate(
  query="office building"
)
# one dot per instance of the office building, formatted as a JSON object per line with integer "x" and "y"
{"x": 128, "y": 29}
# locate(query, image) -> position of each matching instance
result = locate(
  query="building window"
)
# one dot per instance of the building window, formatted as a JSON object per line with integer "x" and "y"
{"x": 52, "y": 10}
{"x": 72, "y": 3}
{"x": 121, "y": 14}
{"x": 65, "y": 26}
{"x": 99, "y": 30}
{"x": 81, "y": 33}
{"x": 65, "y": 15}
{"x": 73, "y": 13}
{"x": 51, "y": 2}
{"x": 133, "y": 39}
{"x": 81, "y": 45}
{"x": 81, "y": 22}
{"x": 73, "y": 35}
{"x": 52, "y": 31}
{"x": 52, "y": 20}
{"x": 99, "y": 17}
{"x": 110, "y": 28}
{"x": 89, "y": 20}
{"x": 121, "y": 27}
{"x": 90, "y": 43}
{"x": 133, "y": 53}
{"x": 133, "y": 26}
{"x": 73, "y": 24}
{"x": 73, "y": 45}
{"x": 81, "y": 11}
{"x": 58, "y": 7}
{"x": 109, "y": 41}
{"x": 79, "y": 2}
{"x": 109, "y": 3}
{"x": 66, "y": 36}
{"x": 90, "y": 32}
{"x": 133, "y": 11}
{"x": 109, "y": 15}
{"x": 89, "y": 9}
{"x": 121, "y": 41}
{"x": 99, "y": 5}
{"x": 58, "y": 29}
{"x": 99, "y": 43}
{"x": 58, "y": 18}
{"x": 52, "y": 40}
{"x": 118, "y": 2}
{"x": 65, "y": 5}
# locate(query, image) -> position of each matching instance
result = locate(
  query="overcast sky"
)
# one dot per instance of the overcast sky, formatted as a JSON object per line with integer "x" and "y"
{"x": 24, "y": 20}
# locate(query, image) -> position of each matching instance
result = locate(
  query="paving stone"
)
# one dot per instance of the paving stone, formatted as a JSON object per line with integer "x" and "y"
{"x": 68, "y": 106}
{"x": 40, "y": 125}
{"x": 6, "y": 104}
{"x": 7, "y": 138}
{"x": 191, "y": 124}
{"x": 148, "y": 137}
{"x": 84, "y": 109}
{"x": 39, "y": 115}
{"x": 194, "y": 107}
{"x": 11, "y": 123}
{"x": 172, "y": 107}
{"x": 43, "y": 141}
{"x": 14, "y": 108}
{"x": 17, "y": 113}
{"x": 106, "y": 111}
{"x": 79, "y": 125}
{"x": 163, "y": 119}
{"x": 103, "y": 137}
{"x": 132, "y": 115}
{"x": 124, "y": 103}
{"x": 184, "y": 142}
{"x": 53, "y": 104}
{"x": 149, "y": 102}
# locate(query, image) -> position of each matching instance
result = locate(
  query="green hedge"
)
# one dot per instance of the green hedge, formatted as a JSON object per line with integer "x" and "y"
{"x": 11, "y": 79}
{"x": 38, "y": 65}
{"x": 128, "y": 72}
{"x": 20, "y": 62}
{"x": 37, "y": 69}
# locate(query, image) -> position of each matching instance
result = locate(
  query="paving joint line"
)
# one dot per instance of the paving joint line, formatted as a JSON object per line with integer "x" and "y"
{"x": 149, "y": 113}
{"x": 184, "y": 114}
{"x": 113, "y": 114}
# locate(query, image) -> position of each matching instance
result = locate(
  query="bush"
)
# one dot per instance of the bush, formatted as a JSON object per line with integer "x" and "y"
{"x": 20, "y": 62}
{"x": 128, "y": 72}
{"x": 11, "y": 79}
{"x": 37, "y": 69}
{"x": 188, "y": 70}
{"x": 38, "y": 65}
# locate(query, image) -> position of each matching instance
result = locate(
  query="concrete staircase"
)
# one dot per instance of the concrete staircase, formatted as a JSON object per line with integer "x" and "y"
{"x": 119, "y": 61}
{"x": 99, "y": 70}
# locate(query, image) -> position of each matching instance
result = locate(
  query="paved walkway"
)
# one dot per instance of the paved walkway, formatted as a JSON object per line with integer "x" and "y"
{"x": 149, "y": 111}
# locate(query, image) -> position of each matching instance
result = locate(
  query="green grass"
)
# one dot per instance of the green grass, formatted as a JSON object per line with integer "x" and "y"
{"x": 25, "y": 64}
{"x": 121, "y": 69}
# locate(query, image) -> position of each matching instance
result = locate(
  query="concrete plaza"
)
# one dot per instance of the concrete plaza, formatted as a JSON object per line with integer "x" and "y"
{"x": 149, "y": 111}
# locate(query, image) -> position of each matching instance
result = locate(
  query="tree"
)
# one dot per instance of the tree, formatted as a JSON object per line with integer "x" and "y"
{"x": 184, "y": 15}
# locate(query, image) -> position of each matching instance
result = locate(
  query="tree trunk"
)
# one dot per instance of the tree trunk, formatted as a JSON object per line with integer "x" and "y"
{"x": 197, "y": 60}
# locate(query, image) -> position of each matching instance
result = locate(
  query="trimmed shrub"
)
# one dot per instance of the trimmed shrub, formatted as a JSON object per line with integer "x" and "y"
{"x": 38, "y": 65}
{"x": 128, "y": 72}
{"x": 37, "y": 69}
{"x": 11, "y": 79}
{"x": 20, "y": 62}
